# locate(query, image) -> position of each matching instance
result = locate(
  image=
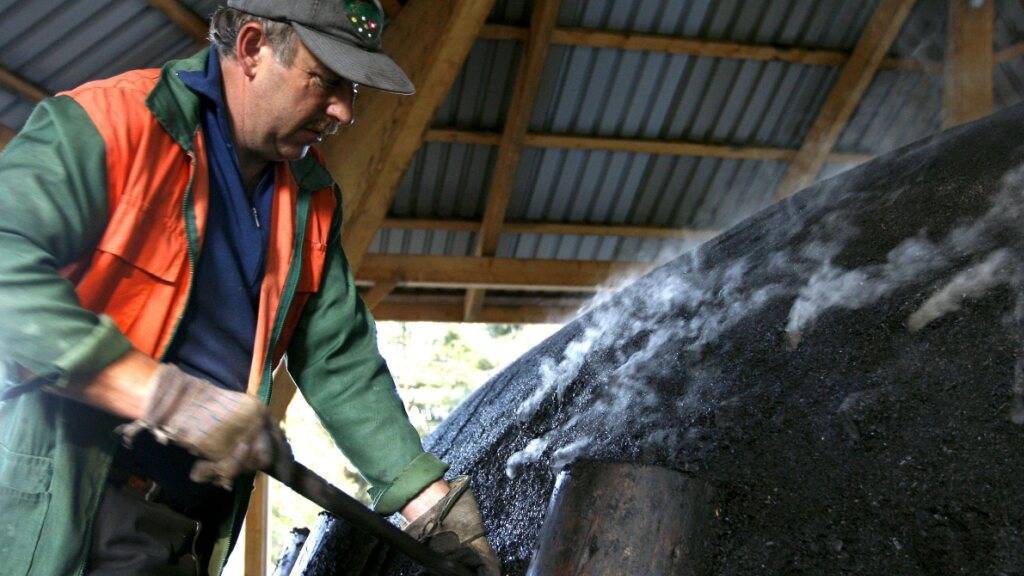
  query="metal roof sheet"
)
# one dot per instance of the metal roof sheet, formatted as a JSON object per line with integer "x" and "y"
{"x": 583, "y": 91}
{"x": 59, "y": 44}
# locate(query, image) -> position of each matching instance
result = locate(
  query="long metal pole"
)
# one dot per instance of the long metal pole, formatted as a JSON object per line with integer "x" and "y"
{"x": 322, "y": 493}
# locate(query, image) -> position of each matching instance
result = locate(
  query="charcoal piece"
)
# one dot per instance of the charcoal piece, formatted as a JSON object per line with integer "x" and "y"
{"x": 291, "y": 552}
{"x": 335, "y": 548}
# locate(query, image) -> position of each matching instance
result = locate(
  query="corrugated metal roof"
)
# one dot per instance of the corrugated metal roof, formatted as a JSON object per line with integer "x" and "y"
{"x": 59, "y": 44}
{"x": 583, "y": 91}
{"x": 638, "y": 94}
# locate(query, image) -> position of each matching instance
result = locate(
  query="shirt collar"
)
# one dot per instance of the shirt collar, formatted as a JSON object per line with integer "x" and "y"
{"x": 207, "y": 83}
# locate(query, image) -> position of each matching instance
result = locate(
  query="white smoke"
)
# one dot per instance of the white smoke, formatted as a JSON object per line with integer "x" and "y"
{"x": 715, "y": 300}
{"x": 629, "y": 344}
{"x": 832, "y": 287}
{"x": 972, "y": 282}
{"x": 533, "y": 451}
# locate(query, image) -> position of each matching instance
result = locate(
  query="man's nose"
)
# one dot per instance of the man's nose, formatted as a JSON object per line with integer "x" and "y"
{"x": 340, "y": 109}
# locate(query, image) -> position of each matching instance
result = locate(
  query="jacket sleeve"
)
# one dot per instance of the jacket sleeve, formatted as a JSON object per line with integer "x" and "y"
{"x": 337, "y": 366}
{"x": 53, "y": 208}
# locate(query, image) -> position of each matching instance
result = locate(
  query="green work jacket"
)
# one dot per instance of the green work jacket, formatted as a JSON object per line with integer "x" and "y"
{"x": 55, "y": 453}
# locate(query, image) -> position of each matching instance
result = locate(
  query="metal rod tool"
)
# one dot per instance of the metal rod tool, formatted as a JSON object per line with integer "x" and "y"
{"x": 316, "y": 489}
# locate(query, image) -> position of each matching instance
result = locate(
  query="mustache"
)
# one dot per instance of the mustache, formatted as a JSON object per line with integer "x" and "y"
{"x": 326, "y": 128}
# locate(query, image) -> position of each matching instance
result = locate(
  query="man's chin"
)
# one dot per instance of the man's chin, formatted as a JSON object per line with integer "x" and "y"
{"x": 293, "y": 152}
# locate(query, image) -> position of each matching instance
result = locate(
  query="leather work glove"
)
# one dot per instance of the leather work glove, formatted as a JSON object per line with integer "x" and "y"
{"x": 454, "y": 528}
{"x": 230, "y": 432}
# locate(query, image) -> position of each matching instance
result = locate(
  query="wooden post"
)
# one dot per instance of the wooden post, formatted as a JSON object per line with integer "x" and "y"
{"x": 257, "y": 517}
{"x": 256, "y": 521}
{"x": 967, "y": 76}
{"x": 617, "y": 518}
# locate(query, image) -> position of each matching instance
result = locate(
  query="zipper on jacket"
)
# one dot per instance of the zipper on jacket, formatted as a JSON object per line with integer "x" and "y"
{"x": 287, "y": 295}
{"x": 190, "y": 239}
{"x": 189, "y": 233}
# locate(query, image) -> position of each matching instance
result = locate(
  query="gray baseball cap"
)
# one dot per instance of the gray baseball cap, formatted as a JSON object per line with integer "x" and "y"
{"x": 344, "y": 34}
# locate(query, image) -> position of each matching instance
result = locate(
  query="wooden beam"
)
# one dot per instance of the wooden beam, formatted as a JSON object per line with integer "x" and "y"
{"x": 460, "y": 136}
{"x": 710, "y": 48}
{"x": 20, "y": 85}
{"x": 638, "y": 145}
{"x": 570, "y": 228}
{"x": 668, "y": 147}
{"x": 6, "y": 135}
{"x": 430, "y": 40}
{"x": 967, "y": 81}
{"x": 510, "y": 148}
{"x": 577, "y": 229}
{"x": 1009, "y": 53}
{"x": 185, "y": 18}
{"x": 846, "y": 94}
{"x": 391, "y": 8}
{"x": 378, "y": 293}
{"x": 452, "y": 312}
{"x": 500, "y": 273}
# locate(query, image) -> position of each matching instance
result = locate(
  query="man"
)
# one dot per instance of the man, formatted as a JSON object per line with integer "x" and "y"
{"x": 166, "y": 236}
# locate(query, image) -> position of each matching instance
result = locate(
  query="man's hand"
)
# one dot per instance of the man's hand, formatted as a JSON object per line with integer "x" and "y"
{"x": 231, "y": 432}
{"x": 453, "y": 527}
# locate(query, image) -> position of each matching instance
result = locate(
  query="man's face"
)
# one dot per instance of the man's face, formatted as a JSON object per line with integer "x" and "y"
{"x": 294, "y": 106}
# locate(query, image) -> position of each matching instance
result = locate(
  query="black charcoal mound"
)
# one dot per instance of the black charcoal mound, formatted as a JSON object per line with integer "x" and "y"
{"x": 842, "y": 368}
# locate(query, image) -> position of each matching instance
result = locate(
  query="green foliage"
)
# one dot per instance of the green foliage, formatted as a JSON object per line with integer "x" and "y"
{"x": 499, "y": 330}
{"x": 435, "y": 367}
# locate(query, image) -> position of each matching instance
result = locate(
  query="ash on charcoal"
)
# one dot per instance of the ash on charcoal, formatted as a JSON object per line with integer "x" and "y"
{"x": 843, "y": 369}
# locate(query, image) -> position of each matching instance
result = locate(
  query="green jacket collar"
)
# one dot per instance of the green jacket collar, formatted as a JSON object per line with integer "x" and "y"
{"x": 174, "y": 105}
{"x": 177, "y": 109}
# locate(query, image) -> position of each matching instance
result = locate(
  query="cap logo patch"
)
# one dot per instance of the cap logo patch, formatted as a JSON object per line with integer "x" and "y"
{"x": 365, "y": 18}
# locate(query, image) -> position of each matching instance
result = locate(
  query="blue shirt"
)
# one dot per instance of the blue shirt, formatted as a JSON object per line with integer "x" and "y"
{"x": 215, "y": 339}
{"x": 216, "y": 335}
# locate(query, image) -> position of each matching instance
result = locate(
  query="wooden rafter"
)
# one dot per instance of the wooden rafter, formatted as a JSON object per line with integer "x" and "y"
{"x": 22, "y": 86}
{"x": 6, "y": 134}
{"x": 967, "y": 79}
{"x": 846, "y": 94}
{"x": 430, "y": 40}
{"x": 569, "y": 228}
{"x": 490, "y": 272}
{"x": 709, "y": 48}
{"x": 531, "y": 65}
{"x": 378, "y": 293}
{"x": 391, "y": 8}
{"x": 185, "y": 18}
{"x": 1009, "y": 53}
{"x": 639, "y": 145}
{"x": 452, "y": 312}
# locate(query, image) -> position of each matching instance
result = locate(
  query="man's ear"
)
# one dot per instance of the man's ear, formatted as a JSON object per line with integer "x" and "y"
{"x": 247, "y": 48}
